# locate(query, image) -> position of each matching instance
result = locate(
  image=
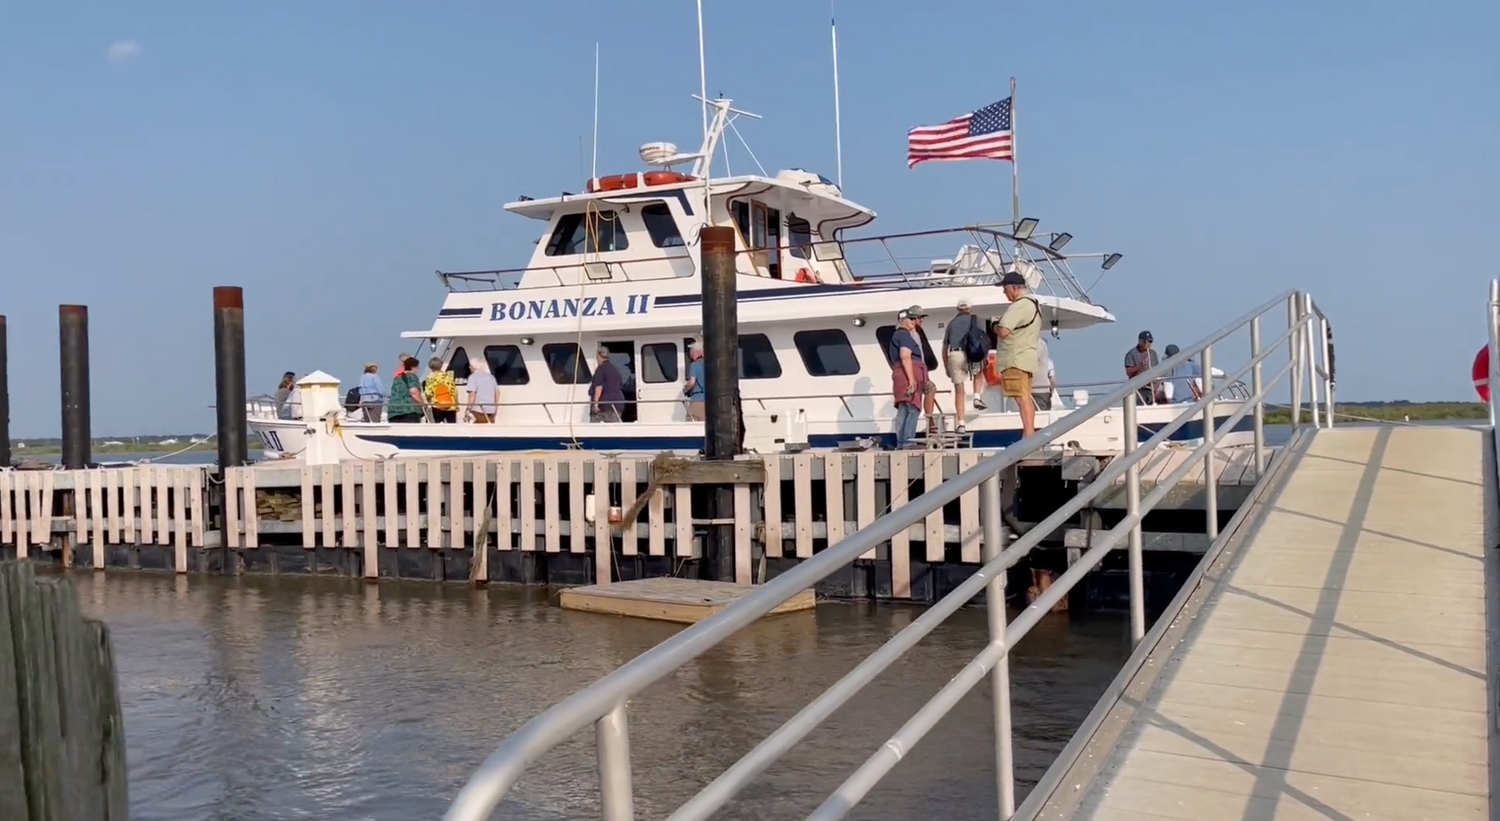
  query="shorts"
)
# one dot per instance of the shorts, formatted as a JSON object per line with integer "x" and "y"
{"x": 1017, "y": 383}
{"x": 696, "y": 410}
{"x": 960, "y": 369}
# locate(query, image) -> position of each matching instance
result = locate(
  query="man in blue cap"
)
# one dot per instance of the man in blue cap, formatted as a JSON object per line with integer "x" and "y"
{"x": 1140, "y": 359}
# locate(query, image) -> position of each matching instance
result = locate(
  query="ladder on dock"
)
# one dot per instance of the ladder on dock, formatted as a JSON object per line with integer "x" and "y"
{"x": 1297, "y": 354}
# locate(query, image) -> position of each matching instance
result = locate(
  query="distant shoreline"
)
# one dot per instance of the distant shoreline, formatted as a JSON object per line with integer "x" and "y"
{"x": 53, "y": 447}
{"x": 1399, "y": 411}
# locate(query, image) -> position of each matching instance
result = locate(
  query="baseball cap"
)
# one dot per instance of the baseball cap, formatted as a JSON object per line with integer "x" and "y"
{"x": 963, "y": 304}
{"x": 1012, "y": 278}
{"x": 912, "y": 312}
{"x": 1145, "y": 336}
{"x": 1172, "y": 350}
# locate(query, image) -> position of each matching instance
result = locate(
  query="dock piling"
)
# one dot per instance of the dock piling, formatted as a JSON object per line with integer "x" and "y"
{"x": 721, "y": 429}
{"x": 73, "y": 355}
{"x": 4, "y": 397}
{"x": 229, "y": 375}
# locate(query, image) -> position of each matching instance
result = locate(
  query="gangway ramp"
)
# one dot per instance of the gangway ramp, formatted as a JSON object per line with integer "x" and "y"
{"x": 1334, "y": 661}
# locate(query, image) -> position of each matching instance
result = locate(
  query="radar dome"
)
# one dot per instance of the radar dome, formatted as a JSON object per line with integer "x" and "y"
{"x": 658, "y": 153}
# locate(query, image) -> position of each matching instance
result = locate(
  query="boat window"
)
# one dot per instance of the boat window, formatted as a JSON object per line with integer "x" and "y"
{"x": 826, "y": 352}
{"x": 600, "y": 232}
{"x": 659, "y": 362}
{"x": 757, "y": 358}
{"x": 884, "y": 333}
{"x": 565, "y": 361}
{"x": 799, "y": 237}
{"x": 741, "y": 212}
{"x": 507, "y": 364}
{"x": 458, "y": 363}
{"x": 662, "y": 226}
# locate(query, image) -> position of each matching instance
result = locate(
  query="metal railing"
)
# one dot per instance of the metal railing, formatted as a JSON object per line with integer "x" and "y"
{"x": 1494, "y": 374}
{"x": 603, "y": 705}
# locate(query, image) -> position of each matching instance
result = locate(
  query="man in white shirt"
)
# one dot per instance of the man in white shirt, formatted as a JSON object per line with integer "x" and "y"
{"x": 1183, "y": 383}
{"x": 1043, "y": 398}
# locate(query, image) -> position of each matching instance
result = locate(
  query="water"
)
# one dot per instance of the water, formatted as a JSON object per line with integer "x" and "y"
{"x": 285, "y": 698}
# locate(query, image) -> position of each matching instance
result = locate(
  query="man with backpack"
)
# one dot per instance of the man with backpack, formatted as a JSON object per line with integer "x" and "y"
{"x": 965, "y": 346}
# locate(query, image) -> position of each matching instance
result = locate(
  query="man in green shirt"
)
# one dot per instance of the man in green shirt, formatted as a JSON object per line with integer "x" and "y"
{"x": 1016, "y": 356}
{"x": 406, "y": 394}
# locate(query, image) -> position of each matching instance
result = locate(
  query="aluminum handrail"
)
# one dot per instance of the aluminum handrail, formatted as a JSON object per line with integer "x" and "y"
{"x": 1494, "y": 376}
{"x": 603, "y": 704}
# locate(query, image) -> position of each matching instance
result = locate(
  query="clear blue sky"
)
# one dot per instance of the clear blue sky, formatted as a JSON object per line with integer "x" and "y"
{"x": 328, "y": 156}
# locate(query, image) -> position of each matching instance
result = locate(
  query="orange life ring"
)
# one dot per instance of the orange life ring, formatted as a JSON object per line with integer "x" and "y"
{"x": 647, "y": 179}
{"x": 992, "y": 369}
{"x": 804, "y": 275}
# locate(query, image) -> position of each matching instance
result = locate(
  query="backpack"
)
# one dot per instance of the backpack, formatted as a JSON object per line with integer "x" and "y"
{"x": 443, "y": 396}
{"x": 351, "y": 399}
{"x": 976, "y": 343}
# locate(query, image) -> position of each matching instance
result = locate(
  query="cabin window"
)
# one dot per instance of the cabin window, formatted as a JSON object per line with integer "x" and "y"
{"x": 591, "y": 233}
{"x": 458, "y": 363}
{"x": 740, "y": 211}
{"x": 826, "y": 352}
{"x": 565, "y": 361}
{"x": 507, "y": 364}
{"x": 662, "y": 226}
{"x": 659, "y": 362}
{"x": 884, "y": 333}
{"x": 757, "y": 357}
{"x": 799, "y": 237}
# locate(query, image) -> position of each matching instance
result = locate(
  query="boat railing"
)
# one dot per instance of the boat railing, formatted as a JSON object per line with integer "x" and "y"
{"x": 604, "y": 705}
{"x": 985, "y": 255}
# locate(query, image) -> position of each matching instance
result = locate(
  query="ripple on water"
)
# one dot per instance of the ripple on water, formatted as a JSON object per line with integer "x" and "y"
{"x": 289, "y": 698}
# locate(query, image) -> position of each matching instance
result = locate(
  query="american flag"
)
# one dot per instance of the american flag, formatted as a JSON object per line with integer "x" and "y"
{"x": 981, "y": 135}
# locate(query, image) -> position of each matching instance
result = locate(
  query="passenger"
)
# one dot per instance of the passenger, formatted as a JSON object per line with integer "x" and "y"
{"x": 284, "y": 393}
{"x": 1043, "y": 398}
{"x": 441, "y": 391}
{"x": 929, "y": 391}
{"x": 908, "y": 375}
{"x": 1140, "y": 359}
{"x": 1020, "y": 329}
{"x": 965, "y": 346}
{"x": 406, "y": 395}
{"x": 606, "y": 390}
{"x": 400, "y": 365}
{"x": 371, "y": 392}
{"x": 294, "y": 403}
{"x": 696, "y": 387}
{"x": 484, "y": 392}
{"x": 1182, "y": 383}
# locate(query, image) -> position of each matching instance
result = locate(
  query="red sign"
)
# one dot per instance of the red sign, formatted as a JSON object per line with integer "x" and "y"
{"x": 1482, "y": 373}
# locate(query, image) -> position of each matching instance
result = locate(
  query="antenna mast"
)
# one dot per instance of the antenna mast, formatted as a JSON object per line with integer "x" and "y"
{"x": 594, "y": 170}
{"x": 702, "y": 71}
{"x": 838, "y": 139}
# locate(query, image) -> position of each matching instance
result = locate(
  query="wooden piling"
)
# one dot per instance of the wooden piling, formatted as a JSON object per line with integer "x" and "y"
{"x": 62, "y": 742}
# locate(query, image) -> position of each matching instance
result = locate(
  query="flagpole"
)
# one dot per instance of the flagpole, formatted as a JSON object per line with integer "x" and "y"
{"x": 1015, "y": 180}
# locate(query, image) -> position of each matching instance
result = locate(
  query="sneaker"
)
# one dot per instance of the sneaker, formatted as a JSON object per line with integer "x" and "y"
{"x": 961, "y": 429}
{"x": 979, "y": 404}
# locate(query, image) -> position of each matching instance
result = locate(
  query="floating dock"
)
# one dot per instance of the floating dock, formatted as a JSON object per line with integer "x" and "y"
{"x": 685, "y": 601}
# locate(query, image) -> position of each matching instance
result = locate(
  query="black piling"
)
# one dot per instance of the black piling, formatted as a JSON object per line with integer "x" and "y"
{"x": 721, "y": 430}
{"x": 73, "y": 355}
{"x": 4, "y": 397}
{"x": 229, "y": 375}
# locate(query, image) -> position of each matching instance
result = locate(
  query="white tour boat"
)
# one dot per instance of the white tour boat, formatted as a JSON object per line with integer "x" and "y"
{"x": 616, "y": 267}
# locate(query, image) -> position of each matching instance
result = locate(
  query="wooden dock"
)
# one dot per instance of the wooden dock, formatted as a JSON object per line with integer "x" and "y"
{"x": 1334, "y": 661}
{"x": 531, "y": 518}
{"x": 686, "y": 601}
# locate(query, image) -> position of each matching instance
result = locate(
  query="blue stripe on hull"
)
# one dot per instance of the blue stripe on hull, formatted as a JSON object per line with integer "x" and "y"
{"x": 985, "y": 439}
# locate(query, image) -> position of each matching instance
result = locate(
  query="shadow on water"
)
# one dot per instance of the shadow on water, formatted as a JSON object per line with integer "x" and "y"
{"x": 279, "y": 698}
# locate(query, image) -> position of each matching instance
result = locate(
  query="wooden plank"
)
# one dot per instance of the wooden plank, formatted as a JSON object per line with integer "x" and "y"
{"x": 771, "y": 503}
{"x": 432, "y": 470}
{"x": 656, "y": 540}
{"x": 968, "y": 513}
{"x": 864, "y": 495}
{"x": 370, "y": 475}
{"x": 680, "y": 600}
{"x": 932, "y": 476}
{"x": 744, "y": 532}
{"x": 833, "y": 484}
{"x": 98, "y": 515}
{"x": 502, "y": 504}
{"x": 411, "y": 475}
{"x": 112, "y": 493}
{"x": 82, "y": 529}
{"x": 23, "y": 481}
{"x": 252, "y": 518}
{"x": 195, "y": 506}
{"x": 7, "y": 519}
{"x": 231, "y": 507}
{"x": 527, "y": 507}
{"x": 327, "y": 483}
{"x": 901, "y": 542}
{"x": 551, "y": 532}
{"x": 484, "y": 518}
{"x": 390, "y": 493}
{"x": 308, "y": 507}
{"x": 577, "y": 529}
{"x": 130, "y": 497}
{"x": 682, "y": 515}
{"x": 627, "y": 498}
{"x": 348, "y": 504}
{"x": 162, "y": 482}
{"x": 603, "y": 542}
{"x": 802, "y": 503}
{"x": 43, "y": 519}
{"x": 180, "y": 519}
{"x": 458, "y": 533}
